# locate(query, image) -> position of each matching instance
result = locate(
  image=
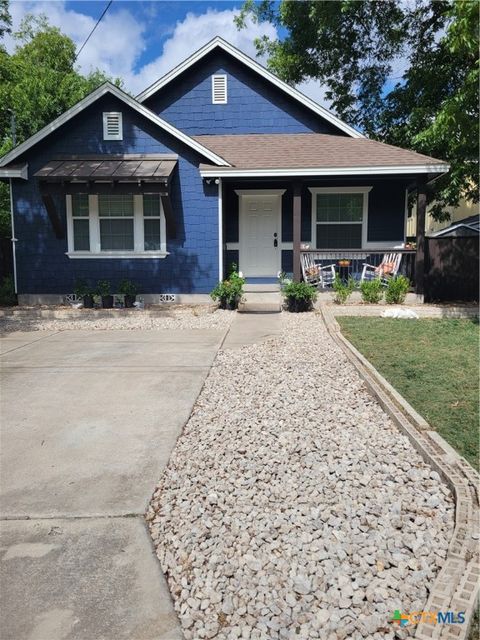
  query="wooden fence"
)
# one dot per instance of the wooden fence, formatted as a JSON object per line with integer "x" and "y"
{"x": 451, "y": 269}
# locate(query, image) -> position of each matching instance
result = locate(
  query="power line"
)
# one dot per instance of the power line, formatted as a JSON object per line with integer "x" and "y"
{"x": 91, "y": 32}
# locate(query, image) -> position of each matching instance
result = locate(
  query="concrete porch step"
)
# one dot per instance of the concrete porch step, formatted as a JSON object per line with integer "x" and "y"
{"x": 260, "y": 302}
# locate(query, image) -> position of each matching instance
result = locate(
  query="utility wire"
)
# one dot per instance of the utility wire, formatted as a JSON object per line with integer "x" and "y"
{"x": 91, "y": 32}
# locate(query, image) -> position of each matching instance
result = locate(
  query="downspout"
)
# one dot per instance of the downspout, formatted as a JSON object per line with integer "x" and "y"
{"x": 14, "y": 240}
{"x": 220, "y": 230}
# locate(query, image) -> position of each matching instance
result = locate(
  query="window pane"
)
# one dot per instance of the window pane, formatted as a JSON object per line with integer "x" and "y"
{"x": 81, "y": 236}
{"x": 115, "y": 206}
{"x": 339, "y": 236}
{"x": 152, "y": 235}
{"x": 116, "y": 235}
{"x": 339, "y": 207}
{"x": 151, "y": 204}
{"x": 80, "y": 205}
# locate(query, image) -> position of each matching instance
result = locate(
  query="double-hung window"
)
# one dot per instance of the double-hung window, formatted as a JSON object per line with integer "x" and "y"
{"x": 115, "y": 226}
{"x": 339, "y": 217}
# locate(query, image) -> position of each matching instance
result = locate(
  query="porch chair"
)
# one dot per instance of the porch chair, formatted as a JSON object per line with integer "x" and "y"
{"x": 387, "y": 269}
{"x": 315, "y": 274}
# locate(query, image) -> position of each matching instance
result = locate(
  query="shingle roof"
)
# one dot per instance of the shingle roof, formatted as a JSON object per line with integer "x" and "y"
{"x": 308, "y": 150}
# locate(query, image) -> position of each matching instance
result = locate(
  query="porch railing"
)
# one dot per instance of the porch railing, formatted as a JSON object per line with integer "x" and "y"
{"x": 349, "y": 262}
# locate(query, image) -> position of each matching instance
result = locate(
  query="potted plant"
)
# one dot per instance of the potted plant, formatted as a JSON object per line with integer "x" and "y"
{"x": 129, "y": 291}
{"x": 300, "y": 296}
{"x": 103, "y": 290}
{"x": 229, "y": 291}
{"x": 85, "y": 293}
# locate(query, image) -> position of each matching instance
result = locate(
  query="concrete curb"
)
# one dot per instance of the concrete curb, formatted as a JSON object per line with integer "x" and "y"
{"x": 456, "y": 587}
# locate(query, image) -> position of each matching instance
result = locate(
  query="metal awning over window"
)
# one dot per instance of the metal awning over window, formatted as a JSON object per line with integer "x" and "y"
{"x": 134, "y": 174}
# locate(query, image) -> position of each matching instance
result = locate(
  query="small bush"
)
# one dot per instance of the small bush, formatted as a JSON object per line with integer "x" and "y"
{"x": 127, "y": 288}
{"x": 371, "y": 291}
{"x": 229, "y": 291}
{"x": 343, "y": 290}
{"x": 103, "y": 288}
{"x": 397, "y": 290}
{"x": 300, "y": 296}
{"x": 7, "y": 292}
{"x": 82, "y": 289}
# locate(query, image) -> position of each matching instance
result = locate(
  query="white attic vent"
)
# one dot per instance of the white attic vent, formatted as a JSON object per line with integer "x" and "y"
{"x": 112, "y": 125}
{"x": 219, "y": 89}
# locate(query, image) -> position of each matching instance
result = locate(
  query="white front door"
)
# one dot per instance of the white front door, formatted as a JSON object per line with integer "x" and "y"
{"x": 259, "y": 246}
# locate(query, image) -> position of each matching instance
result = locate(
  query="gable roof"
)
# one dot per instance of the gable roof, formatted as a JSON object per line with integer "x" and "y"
{"x": 312, "y": 154}
{"x": 258, "y": 68}
{"x": 105, "y": 88}
{"x": 467, "y": 226}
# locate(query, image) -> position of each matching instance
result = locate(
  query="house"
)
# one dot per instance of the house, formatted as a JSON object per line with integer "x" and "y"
{"x": 217, "y": 162}
{"x": 465, "y": 227}
{"x": 466, "y": 210}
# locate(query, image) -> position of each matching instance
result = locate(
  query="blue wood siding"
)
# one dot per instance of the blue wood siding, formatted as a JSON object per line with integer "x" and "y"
{"x": 254, "y": 104}
{"x": 191, "y": 267}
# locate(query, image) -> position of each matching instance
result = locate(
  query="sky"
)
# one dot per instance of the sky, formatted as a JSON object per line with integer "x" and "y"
{"x": 140, "y": 41}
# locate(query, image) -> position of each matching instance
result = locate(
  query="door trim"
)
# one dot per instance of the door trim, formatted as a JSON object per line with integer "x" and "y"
{"x": 278, "y": 193}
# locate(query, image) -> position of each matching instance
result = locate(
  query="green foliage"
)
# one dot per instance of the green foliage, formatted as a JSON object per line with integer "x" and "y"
{"x": 128, "y": 288}
{"x": 38, "y": 82}
{"x": 352, "y": 47}
{"x": 7, "y": 292}
{"x": 5, "y": 18}
{"x": 300, "y": 296}
{"x": 371, "y": 290}
{"x": 229, "y": 291}
{"x": 343, "y": 290}
{"x": 103, "y": 288}
{"x": 82, "y": 289}
{"x": 397, "y": 290}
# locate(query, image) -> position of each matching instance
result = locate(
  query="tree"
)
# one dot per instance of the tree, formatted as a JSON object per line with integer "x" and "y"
{"x": 353, "y": 48}
{"x": 38, "y": 82}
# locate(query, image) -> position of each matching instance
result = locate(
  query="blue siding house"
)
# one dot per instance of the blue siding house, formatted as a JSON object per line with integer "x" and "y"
{"x": 217, "y": 162}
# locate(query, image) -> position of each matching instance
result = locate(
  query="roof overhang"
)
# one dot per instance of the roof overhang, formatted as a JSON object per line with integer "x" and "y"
{"x": 15, "y": 171}
{"x": 258, "y": 68}
{"x": 109, "y": 88}
{"x": 207, "y": 171}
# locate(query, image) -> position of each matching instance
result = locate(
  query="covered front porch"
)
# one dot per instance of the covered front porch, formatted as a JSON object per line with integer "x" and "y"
{"x": 271, "y": 225}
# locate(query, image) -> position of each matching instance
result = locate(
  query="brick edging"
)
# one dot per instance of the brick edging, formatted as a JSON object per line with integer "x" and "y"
{"x": 456, "y": 587}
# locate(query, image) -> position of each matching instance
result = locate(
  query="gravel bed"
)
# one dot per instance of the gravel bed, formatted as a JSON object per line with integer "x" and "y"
{"x": 291, "y": 506}
{"x": 190, "y": 318}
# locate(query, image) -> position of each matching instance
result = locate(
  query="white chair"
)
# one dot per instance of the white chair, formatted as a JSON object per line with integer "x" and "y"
{"x": 387, "y": 269}
{"x": 315, "y": 274}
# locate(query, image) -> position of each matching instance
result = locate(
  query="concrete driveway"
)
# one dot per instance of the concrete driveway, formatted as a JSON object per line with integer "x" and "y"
{"x": 88, "y": 421}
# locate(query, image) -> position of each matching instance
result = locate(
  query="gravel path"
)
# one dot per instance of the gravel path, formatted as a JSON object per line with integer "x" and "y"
{"x": 187, "y": 318}
{"x": 291, "y": 506}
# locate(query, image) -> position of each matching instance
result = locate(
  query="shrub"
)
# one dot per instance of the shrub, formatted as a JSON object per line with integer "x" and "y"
{"x": 343, "y": 290}
{"x": 397, "y": 290}
{"x": 128, "y": 288}
{"x": 7, "y": 292}
{"x": 82, "y": 289}
{"x": 300, "y": 296}
{"x": 229, "y": 291}
{"x": 103, "y": 288}
{"x": 371, "y": 291}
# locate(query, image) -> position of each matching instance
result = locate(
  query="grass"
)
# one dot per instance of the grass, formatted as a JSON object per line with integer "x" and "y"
{"x": 434, "y": 364}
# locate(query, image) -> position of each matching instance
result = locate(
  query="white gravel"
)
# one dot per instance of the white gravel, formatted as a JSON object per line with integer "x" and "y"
{"x": 291, "y": 506}
{"x": 179, "y": 318}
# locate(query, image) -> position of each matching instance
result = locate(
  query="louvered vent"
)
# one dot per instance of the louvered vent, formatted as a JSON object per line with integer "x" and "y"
{"x": 112, "y": 125}
{"x": 219, "y": 89}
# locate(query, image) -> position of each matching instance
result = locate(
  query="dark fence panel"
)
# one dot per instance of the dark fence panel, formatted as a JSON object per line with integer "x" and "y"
{"x": 451, "y": 269}
{"x": 6, "y": 257}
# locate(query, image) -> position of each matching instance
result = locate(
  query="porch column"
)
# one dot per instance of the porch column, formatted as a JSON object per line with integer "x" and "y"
{"x": 420, "y": 254}
{"x": 297, "y": 229}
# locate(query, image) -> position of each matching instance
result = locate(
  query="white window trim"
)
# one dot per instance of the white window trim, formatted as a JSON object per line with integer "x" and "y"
{"x": 138, "y": 232}
{"x": 219, "y": 75}
{"x": 106, "y": 135}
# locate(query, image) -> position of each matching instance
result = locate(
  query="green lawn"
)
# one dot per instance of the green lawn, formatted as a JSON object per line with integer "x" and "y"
{"x": 434, "y": 364}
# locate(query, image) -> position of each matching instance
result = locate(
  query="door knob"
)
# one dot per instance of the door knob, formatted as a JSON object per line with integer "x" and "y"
{"x": 275, "y": 242}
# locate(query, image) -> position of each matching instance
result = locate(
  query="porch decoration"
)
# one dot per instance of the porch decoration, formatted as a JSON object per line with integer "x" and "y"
{"x": 299, "y": 296}
{"x": 229, "y": 292}
{"x": 387, "y": 269}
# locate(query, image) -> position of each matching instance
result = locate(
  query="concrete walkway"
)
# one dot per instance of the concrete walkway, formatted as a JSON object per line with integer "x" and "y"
{"x": 89, "y": 419}
{"x": 252, "y": 328}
